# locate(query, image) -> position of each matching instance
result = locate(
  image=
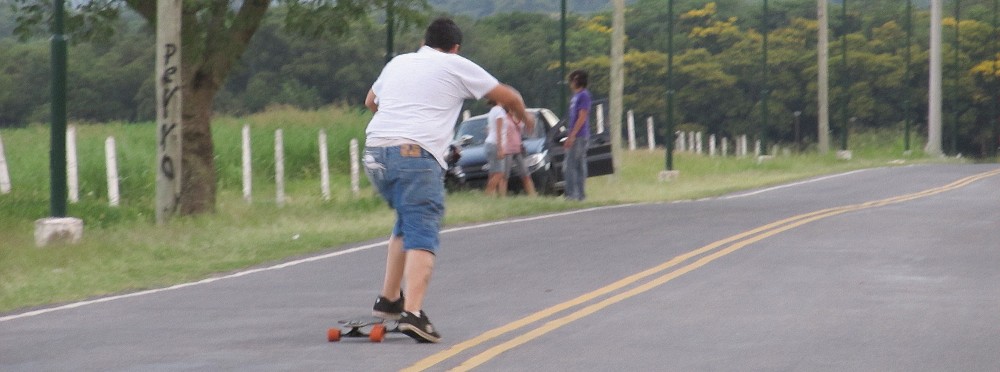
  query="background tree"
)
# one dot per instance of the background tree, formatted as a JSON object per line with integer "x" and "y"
{"x": 214, "y": 36}
{"x": 292, "y": 60}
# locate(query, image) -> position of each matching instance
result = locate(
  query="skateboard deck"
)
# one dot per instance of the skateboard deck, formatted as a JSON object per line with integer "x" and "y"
{"x": 374, "y": 328}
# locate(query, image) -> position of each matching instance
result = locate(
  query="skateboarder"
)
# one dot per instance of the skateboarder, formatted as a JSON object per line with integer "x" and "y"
{"x": 416, "y": 100}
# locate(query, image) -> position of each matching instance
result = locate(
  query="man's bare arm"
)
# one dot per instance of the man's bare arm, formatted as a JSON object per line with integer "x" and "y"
{"x": 511, "y": 100}
{"x": 370, "y": 101}
{"x": 580, "y": 119}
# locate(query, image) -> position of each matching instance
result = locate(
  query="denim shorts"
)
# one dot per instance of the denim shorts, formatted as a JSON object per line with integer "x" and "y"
{"x": 495, "y": 165}
{"x": 412, "y": 182}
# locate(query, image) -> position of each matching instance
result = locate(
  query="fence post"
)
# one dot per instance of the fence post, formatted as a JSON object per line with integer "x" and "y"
{"x": 631, "y": 130}
{"x": 355, "y": 177}
{"x": 600, "y": 118}
{"x": 72, "y": 172}
{"x": 649, "y": 133}
{"x": 279, "y": 167}
{"x": 111, "y": 161}
{"x": 4, "y": 174}
{"x": 324, "y": 166}
{"x": 247, "y": 176}
{"x": 711, "y": 145}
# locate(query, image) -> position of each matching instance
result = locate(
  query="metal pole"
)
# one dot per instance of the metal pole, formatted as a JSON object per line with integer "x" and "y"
{"x": 798, "y": 132}
{"x": 934, "y": 99}
{"x": 995, "y": 140}
{"x": 843, "y": 75}
{"x": 562, "y": 59}
{"x": 669, "y": 141}
{"x": 765, "y": 92}
{"x": 617, "y": 80}
{"x": 957, "y": 78}
{"x": 390, "y": 24}
{"x": 907, "y": 89}
{"x": 823, "y": 78}
{"x": 57, "y": 151}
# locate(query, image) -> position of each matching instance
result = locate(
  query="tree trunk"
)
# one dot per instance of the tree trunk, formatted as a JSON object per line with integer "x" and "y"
{"x": 198, "y": 176}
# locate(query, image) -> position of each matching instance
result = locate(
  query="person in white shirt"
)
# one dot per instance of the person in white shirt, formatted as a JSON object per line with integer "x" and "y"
{"x": 416, "y": 101}
{"x": 494, "y": 144}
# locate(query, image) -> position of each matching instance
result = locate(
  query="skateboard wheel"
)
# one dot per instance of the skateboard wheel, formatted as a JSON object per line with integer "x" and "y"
{"x": 377, "y": 334}
{"x": 333, "y": 334}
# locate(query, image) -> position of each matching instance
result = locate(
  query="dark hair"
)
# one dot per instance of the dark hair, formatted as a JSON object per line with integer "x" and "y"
{"x": 579, "y": 77}
{"x": 443, "y": 33}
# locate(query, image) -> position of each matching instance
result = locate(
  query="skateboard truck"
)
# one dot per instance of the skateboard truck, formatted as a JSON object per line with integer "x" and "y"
{"x": 377, "y": 328}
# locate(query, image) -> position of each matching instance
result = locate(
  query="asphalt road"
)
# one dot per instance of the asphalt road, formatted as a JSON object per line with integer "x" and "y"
{"x": 890, "y": 269}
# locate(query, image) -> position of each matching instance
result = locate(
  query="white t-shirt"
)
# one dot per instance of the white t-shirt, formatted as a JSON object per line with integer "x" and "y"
{"x": 495, "y": 113}
{"x": 419, "y": 96}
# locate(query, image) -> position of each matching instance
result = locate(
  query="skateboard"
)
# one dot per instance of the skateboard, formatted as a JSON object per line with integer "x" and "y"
{"x": 372, "y": 327}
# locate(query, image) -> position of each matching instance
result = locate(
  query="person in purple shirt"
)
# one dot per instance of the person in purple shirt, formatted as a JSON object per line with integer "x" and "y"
{"x": 575, "y": 163}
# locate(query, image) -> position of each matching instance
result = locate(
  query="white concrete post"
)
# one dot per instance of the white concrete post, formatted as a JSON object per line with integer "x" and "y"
{"x": 4, "y": 174}
{"x": 743, "y": 145}
{"x": 72, "y": 171}
{"x": 631, "y": 130}
{"x": 711, "y": 145}
{"x": 279, "y": 167}
{"x": 756, "y": 148}
{"x": 324, "y": 166}
{"x": 725, "y": 146}
{"x": 698, "y": 143}
{"x": 247, "y": 167}
{"x": 650, "y": 136}
{"x": 355, "y": 168}
{"x": 690, "y": 141}
{"x": 600, "y": 118}
{"x": 111, "y": 159}
{"x": 681, "y": 145}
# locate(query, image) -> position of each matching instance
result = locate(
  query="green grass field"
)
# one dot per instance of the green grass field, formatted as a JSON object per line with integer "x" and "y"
{"x": 123, "y": 250}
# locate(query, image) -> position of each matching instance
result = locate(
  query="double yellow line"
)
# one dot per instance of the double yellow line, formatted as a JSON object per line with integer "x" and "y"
{"x": 708, "y": 254}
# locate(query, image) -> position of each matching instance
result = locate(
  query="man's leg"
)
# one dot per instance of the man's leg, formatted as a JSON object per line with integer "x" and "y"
{"x": 571, "y": 172}
{"x": 414, "y": 321}
{"x": 394, "y": 264}
{"x": 420, "y": 206}
{"x": 419, "y": 267}
{"x": 582, "y": 174}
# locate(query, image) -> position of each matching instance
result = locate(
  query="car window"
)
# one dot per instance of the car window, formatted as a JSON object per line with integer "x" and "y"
{"x": 541, "y": 126}
{"x": 476, "y": 128}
